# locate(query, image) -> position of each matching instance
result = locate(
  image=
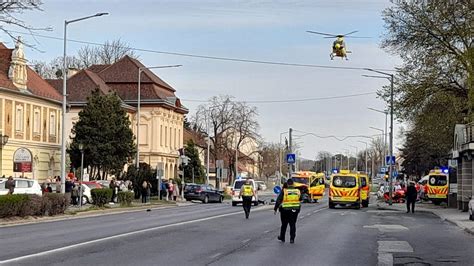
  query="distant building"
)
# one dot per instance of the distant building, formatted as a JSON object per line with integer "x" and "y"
{"x": 463, "y": 149}
{"x": 161, "y": 112}
{"x": 30, "y": 116}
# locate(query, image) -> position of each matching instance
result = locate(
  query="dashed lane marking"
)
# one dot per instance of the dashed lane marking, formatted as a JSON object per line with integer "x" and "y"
{"x": 394, "y": 247}
{"x": 387, "y": 227}
{"x": 245, "y": 241}
{"x": 215, "y": 255}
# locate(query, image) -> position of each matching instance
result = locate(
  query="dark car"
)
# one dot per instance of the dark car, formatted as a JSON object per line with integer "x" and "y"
{"x": 202, "y": 192}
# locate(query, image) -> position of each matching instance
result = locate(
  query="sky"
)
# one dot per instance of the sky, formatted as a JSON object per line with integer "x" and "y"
{"x": 248, "y": 29}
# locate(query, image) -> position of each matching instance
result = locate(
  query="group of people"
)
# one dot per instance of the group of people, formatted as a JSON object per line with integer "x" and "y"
{"x": 288, "y": 203}
{"x": 169, "y": 190}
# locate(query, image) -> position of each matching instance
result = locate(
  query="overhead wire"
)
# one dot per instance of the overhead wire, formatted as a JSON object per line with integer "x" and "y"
{"x": 231, "y": 59}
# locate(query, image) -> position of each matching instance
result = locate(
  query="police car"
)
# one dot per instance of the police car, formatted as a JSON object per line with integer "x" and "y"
{"x": 236, "y": 191}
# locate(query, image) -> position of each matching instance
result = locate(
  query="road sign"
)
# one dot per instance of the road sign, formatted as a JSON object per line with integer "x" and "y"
{"x": 394, "y": 173}
{"x": 277, "y": 190}
{"x": 383, "y": 170}
{"x": 291, "y": 158}
{"x": 390, "y": 160}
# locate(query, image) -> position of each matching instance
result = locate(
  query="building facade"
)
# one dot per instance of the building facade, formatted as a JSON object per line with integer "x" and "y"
{"x": 161, "y": 113}
{"x": 463, "y": 153}
{"x": 30, "y": 116}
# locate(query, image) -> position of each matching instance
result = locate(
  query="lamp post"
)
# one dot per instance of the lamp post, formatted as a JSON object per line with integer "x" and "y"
{"x": 81, "y": 148}
{"x": 357, "y": 158}
{"x": 140, "y": 70}
{"x": 280, "y": 159}
{"x": 382, "y": 160}
{"x": 390, "y": 78}
{"x": 64, "y": 103}
{"x": 366, "y": 148}
{"x": 385, "y": 135}
{"x": 3, "y": 142}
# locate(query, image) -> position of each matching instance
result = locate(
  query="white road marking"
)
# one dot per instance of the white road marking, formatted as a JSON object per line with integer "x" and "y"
{"x": 215, "y": 255}
{"x": 387, "y": 227}
{"x": 385, "y": 259}
{"x": 246, "y": 240}
{"x": 394, "y": 247}
{"x": 47, "y": 252}
{"x": 266, "y": 232}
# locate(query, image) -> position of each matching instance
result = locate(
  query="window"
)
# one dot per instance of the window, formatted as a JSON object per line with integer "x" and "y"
{"x": 175, "y": 139}
{"x": 166, "y": 136}
{"x": 161, "y": 135}
{"x": 36, "y": 121}
{"x": 170, "y": 138}
{"x": 22, "y": 184}
{"x": 52, "y": 123}
{"x": 344, "y": 181}
{"x": 19, "y": 118}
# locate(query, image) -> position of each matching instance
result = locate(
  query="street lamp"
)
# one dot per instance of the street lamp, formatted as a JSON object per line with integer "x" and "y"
{"x": 385, "y": 135}
{"x": 390, "y": 78}
{"x": 357, "y": 158}
{"x": 4, "y": 140}
{"x": 140, "y": 70}
{"x": 366, "y": 148}
{"x": 63, "y": 125}
{"x": 81, "y": 148}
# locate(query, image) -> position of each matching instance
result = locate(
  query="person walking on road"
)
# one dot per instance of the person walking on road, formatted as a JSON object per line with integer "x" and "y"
{"x": 289, "y": 205}
{"x": 411, "y": 197}
{"x": 247, "y": 193}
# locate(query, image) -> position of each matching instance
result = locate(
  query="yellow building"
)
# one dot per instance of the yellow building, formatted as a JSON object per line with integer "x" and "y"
{"x": 30, "y": 117}
{"x": 161, "y": 112}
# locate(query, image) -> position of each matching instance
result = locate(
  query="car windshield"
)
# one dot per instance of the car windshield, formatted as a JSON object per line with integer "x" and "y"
{"x": 301, "y": 180}
{"x": 344, "y": 181}
{"x": 192, "y": 187}
{"x": 238, "y": 184}
{"x": 438, "y": 180}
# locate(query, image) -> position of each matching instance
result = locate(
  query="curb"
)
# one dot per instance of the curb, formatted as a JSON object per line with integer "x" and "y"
{"x": 90, "y": 214}
{"x": 441, "y": 216}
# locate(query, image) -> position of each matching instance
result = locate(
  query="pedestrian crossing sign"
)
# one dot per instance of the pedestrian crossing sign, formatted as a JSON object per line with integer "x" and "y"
{"x": 291, "y": 158}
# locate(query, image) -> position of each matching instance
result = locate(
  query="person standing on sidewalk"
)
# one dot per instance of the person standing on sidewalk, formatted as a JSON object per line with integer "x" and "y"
{"x": 10, "y": 185}
{"x": 411, "y": 197}
{"x": 247, "y": 193}
{"x": 289, "y": 205}
{"x": 175, "y": 191}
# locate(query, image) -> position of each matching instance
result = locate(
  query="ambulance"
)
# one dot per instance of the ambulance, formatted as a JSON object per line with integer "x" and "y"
{"x": 345, "y": 189}
{"x": 437, "y": 187}
{"x": 315, "y": 181}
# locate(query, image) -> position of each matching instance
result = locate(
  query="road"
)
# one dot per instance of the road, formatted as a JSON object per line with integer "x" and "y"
{"x": 219, "y": 234}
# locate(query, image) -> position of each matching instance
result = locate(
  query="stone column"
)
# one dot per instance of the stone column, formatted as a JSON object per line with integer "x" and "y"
{"x": 459, "y": 182}
{"x": 466, "y": 182}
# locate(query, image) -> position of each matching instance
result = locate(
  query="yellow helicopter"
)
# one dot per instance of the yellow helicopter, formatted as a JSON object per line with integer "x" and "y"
{"x": 338, "y": 46}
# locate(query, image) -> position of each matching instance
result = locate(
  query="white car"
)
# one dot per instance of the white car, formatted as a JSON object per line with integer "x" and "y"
{"x": 236, "y": 192}
{"x": 261, "y": 185}
{"x": 471, "y": 209}
{"x": 22, "y": 186}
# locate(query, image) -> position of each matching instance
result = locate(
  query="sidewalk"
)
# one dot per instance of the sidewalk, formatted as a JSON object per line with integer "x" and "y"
{"x": 74, "y": 212}
{"x": 454, "y": 216}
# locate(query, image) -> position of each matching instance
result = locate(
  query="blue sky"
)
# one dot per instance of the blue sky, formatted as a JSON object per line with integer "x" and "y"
{"x": 262, "y": 30}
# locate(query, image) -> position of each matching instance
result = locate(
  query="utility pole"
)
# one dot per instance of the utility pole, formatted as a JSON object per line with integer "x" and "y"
{"x": 290, "y": 148}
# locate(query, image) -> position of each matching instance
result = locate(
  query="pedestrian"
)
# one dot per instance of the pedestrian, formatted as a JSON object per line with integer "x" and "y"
{"x": 175, "y": 191}
{"x": 49, "y": 188}
{"x": 148, "y": 191}
{"x": 58, "y": 184}
{"x": 69, "y": 185}
{"x": 113, "y": 186}
{"x": 44, "y": 188}
{"x": 10, "y": 185}
{"x": 75, "y": 195}
{"x": 170, "y": 189}
{"x": 411, "y": 197}
{"x": 163, "y": 191}
{"x": 247, "y": 193}
{"x": 144, "y": 191}
{"x": 289, "y": 205}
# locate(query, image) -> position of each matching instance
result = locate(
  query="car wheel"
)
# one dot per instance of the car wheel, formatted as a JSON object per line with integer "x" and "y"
{"x": 85, "y": 200}
{"x": 436, "y": 202}
{"x": 206, "y": 200}
{"x": 221, "y": 199}
{"x": 234, "y": 204}
{"x": 331, "y": 205}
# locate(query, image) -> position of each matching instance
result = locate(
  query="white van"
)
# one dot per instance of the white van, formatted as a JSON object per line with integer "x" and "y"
{"x": 236, "y": 191}
{"x": 22, "y": 186}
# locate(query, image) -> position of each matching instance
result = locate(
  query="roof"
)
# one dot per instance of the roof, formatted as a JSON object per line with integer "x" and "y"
{"x": 35, "y": 85}
{"x": 122, "y": 77}
{"x": 197, "y": 138}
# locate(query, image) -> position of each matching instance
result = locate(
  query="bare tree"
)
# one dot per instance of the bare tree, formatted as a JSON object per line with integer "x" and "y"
{"x": 108, "y": 53}
{"x": 8, "y": 15}
{"x": 269, "y": 159}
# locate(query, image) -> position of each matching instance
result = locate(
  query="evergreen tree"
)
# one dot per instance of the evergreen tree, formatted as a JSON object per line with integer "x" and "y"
{"x": 104, "y": 130}
{"x": 194, "y": 163}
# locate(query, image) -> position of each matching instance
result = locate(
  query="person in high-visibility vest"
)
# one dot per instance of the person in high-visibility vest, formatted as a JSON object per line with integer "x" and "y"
{"x": 247, "y": 193}
{"x": 289, "y": 205}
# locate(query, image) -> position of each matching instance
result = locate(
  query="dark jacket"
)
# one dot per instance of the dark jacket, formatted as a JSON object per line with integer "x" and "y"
{"x": 69, "y": 186}
{"x": 279, "y": 200}
{"x": 411, "y": 193}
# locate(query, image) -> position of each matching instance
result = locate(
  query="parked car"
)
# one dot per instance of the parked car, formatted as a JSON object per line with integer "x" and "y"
{"x": 87, "y": 186}
{"x": 471, "y": 209}
{"x": 261, "y": 185}
{"x": 22, "y": 186}
{"x": 202, "y": 192}
{"x": 236, "y": 191}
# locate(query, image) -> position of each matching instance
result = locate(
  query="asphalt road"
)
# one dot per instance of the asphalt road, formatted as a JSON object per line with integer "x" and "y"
{"x": 219, "y": 234}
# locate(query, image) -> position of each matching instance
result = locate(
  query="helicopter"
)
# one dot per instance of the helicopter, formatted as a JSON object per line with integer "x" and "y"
{"x": 338, "y": 46}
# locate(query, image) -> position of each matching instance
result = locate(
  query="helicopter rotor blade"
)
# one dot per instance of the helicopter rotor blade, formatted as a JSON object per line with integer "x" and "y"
{"x": 322, "y": 33}
{"x": 352, "y": 32}
{"x": 358, "y": 37}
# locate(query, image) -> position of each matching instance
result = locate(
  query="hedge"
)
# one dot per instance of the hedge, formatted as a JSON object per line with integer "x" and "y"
{"x": 101, "y": 196}
{"x": 125, "y": 198}
{"x": 32, "y": 205}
